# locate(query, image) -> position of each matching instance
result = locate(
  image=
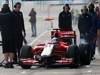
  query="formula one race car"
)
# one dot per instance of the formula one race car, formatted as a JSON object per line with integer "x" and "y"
{"x": 60, "y": 50}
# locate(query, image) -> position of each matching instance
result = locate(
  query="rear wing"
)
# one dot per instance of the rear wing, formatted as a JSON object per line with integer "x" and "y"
{"x": 64, "y": 35}
{"x": 67, "y": 34}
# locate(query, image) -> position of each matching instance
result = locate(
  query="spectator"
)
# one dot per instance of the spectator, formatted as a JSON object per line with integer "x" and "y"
{"x": 93, "y": 30}
{"x": 65, "y": 19}
{"x": 20, "y": 29}
{"x": 7, "y": 22}
{"x": 32, "y": 20}
{"x": 97, "y": 11}
{"x": 98, "y": 28}
{"x": 84, "y": 23}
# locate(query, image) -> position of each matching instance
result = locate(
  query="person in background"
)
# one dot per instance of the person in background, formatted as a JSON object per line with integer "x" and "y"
{"x": 7, "y": 24}
{"x": 93, "y": 31}
{"x": 20, "y": 29}
{"x": 98, "y": 29}
{"x": 65, "y": 19}
{"x": 84, "y": 23}
{"x": 97, "y": 9}
{"x": 32, "y": 20}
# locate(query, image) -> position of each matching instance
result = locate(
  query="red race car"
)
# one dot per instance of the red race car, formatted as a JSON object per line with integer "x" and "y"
{"x": 60, "y": 50}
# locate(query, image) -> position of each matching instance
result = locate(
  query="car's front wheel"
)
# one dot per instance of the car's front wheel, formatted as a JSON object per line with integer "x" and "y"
{"x": 26, "y": 52}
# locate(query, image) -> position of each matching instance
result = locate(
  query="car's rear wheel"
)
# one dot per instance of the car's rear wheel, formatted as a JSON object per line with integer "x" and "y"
{"x": 74, "y": 53}
{"x": 85, "y": 56}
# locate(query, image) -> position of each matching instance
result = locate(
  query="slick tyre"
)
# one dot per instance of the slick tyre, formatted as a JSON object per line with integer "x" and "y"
{"x": 74, "y": 53}
{"x": 85, "y": 54}
{"x": 26, "y": 52}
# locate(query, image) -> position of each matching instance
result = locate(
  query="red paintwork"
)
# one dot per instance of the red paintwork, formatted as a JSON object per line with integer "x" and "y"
{"x": 60, "y": 49}
{"x": 29, "y": 61}
{"x": 70, "y": 34}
